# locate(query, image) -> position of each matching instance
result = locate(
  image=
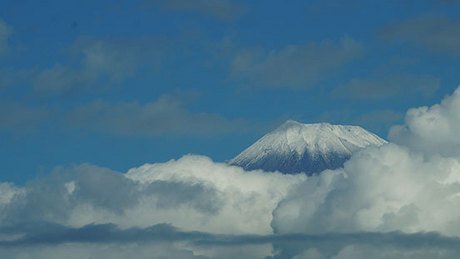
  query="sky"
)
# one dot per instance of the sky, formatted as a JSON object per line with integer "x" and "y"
{"x": 117, "y": 117}
{"x": 121, "y": 83}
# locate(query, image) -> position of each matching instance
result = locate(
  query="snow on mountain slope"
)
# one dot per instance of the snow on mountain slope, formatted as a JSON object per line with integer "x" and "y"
{"x": 311, "y": 148}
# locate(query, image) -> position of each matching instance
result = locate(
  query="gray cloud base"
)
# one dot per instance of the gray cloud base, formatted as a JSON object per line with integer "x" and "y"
{"x": 338, "y": 245}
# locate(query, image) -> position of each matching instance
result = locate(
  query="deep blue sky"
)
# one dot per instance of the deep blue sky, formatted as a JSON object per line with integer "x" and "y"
{"x": 121, "y": 83}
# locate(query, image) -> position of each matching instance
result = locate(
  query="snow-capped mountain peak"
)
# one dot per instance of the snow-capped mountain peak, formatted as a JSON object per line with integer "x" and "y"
{"x": 296, "y": 147}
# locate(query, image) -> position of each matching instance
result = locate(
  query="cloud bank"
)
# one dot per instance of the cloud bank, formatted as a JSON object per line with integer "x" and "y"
{"x": 397, "y": 200}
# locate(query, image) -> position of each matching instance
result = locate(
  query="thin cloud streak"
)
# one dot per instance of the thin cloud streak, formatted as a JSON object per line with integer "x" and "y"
{"x": 389, "y": 86}
{"x": 435, "y": 33}
{"x": 294, "y": 66}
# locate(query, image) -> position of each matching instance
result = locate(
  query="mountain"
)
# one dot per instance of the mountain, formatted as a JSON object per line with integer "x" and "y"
{"x": 311, "y": 148}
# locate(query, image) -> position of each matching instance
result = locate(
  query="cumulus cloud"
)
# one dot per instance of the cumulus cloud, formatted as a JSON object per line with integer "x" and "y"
{"x": 168, "y": 115}
{"x": 294, "y": 66}
{"x": 406, "y": 186}
{"x": 397, "y": 200}
{"x": 380, "y": 189}
{"x": 431, "y": 130}
{"x": 192, "y": 193}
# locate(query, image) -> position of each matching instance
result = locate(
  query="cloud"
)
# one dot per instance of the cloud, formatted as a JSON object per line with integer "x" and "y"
{"x": 294, "y": 66}
{"x": 431, "y": 130}
{"x": 163, "y": 238}
{"x": 449, "y": 1}
{"x": 192, "y": 193}
{"x": 409, "y": 186}
{"x": 15, "y": 117}
{"x": 435, "y": 33}
{"x": 224, "y": 10}
{"x": 389, "y": 86}
{"x": 380, "y": 189}
{"x": 101, "y": 63}
{"x": 14, "y": 76}
{"x": 5, "y": 33}
{"x": 168, "y": 115}
{"x": 397, "y": 200}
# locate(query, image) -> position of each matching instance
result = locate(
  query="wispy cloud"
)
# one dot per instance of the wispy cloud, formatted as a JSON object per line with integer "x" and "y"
{"x": 389, "y": 86}
{"x": 100, "y": 64}
{"x": 294, "y": 66}
{"x": 224, "y": 10}
{"x": 5, "y": 33}
{"x": 440, "y": 34}
{"x": 15, "y": 117}
{"x": 168, "y": 115}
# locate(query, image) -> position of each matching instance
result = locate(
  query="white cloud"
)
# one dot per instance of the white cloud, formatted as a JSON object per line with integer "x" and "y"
{"x": 192, "y": 193}
{"x": 411, "y": 186}
{"x": 8, "y": 192}
{"x": 432, "y": 130}
{"x": 380, "y": 189}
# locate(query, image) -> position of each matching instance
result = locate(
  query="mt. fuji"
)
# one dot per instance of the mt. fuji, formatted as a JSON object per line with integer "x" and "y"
{"x": 310, "y": 148}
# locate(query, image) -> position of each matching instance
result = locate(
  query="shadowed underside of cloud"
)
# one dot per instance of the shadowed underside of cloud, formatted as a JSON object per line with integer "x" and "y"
{"x": 286, "y": 245}
{"x": 52, "y": 234}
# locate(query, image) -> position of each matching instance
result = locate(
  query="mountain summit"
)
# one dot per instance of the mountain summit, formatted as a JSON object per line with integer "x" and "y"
{"x": 311, "y": 148}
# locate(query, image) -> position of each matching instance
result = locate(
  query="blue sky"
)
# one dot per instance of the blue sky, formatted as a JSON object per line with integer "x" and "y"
{"x": 121, "y": 83}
